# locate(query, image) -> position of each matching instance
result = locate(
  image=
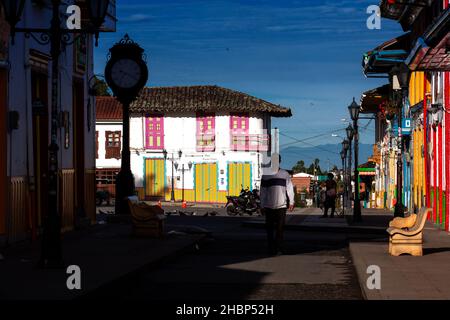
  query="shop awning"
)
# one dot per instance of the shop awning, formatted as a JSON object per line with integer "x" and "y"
{"x": 431, "y": 52}
{"x": 371, "y": 100}
{"x": 380, "y": 60}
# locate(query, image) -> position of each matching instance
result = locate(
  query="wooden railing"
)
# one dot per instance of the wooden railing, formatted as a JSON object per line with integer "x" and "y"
{"x": 19, "y": 204}
{"x": 67, "y": 193}
{"x": 206, "y": 142}
{"x": 106, "y": 179}
{"x": 250, "y": 142}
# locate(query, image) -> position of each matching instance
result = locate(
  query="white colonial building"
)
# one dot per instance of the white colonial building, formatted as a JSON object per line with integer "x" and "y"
{"x": 25, "y": 121}
{"x": 206, "y": 141}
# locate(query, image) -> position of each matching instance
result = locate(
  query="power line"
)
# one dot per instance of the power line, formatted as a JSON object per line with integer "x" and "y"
{"x": 303, "y": 141}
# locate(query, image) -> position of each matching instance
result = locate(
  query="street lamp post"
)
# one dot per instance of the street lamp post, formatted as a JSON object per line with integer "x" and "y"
{"x": 182, "y": 179}
{"x": 172, "y": 191}
{"x": 354, "y": 113}
{"x": 57, "y": 37}
{"x": 400, "y": 82}
{"x": 350, "y": 133}
{"x": 174, "y": 167}
{"x": 165, "y": 159}
{"x": 343, "y": 154}
{"x": 345, "y": 146}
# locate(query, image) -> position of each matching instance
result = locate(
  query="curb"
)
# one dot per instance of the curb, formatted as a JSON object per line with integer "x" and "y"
{"x": 358, "y": 274}
{"x": 349, "y": 229}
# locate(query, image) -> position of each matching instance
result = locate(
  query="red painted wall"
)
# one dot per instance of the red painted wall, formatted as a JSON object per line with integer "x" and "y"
{"x": 447, "y": 146}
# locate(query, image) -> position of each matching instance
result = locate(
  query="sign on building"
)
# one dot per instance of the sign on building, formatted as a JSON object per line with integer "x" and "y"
{"x": 406, "y": 126}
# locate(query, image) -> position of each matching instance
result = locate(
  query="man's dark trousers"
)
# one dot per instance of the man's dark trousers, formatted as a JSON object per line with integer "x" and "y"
{"x": 330, "y": 202}
{"x": 275, "y": 220}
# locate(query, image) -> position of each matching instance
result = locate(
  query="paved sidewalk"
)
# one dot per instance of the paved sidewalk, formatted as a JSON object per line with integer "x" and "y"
{"x": 106, "y": 254}
{"x": 406, "y": 277}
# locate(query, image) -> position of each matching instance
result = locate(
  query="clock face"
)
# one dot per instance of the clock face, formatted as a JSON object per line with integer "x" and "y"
{"x": 126, "y": 73}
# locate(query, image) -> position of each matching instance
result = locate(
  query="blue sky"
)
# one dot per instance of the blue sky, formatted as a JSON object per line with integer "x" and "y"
{"x": 302, "y": 54}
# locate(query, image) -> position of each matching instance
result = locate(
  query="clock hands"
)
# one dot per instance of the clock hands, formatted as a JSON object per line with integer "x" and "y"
{"x": 128, "y": 75}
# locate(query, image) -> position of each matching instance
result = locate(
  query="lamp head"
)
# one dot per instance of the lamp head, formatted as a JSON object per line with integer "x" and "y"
{"x": 353, "y": 109}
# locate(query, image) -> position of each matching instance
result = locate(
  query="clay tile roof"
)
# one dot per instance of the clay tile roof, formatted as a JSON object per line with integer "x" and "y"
{"x": 108, "y": 108}
{"x": 203, "y": 99}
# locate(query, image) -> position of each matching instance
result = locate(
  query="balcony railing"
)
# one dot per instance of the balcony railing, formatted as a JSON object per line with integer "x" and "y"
{"x": 250, "y": 142}
{"x": 206, "y": 142}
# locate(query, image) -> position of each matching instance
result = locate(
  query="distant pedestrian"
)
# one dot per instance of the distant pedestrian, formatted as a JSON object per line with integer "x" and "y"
{"x": 331, "y": 193}
{"x": 277, "y": 194}
{"x": 322, "y": 196}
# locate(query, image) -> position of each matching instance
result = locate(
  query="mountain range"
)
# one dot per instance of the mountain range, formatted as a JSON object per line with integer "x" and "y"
{"x": 328, "y": 154}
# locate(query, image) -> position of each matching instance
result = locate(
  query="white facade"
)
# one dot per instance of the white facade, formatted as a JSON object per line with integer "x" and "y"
{"x": 101, "y": 128}
{"x": 26, "y": 96}
{"x": 180, "y": 134}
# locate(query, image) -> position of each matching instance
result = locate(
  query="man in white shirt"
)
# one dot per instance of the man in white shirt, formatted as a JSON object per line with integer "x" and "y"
{"x": 277, "y": 195}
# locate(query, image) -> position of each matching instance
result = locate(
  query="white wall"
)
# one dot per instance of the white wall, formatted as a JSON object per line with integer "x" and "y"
{"x": 101, "y": 161}
{"x": 20, "y": 142}
{"x": 180, "y": 134}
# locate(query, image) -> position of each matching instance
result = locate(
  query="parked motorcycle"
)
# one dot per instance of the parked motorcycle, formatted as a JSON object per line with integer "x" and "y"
{"x": 248, "y": 202}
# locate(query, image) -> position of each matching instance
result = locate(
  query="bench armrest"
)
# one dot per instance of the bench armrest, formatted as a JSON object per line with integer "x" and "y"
{"x": 393, "y": 231}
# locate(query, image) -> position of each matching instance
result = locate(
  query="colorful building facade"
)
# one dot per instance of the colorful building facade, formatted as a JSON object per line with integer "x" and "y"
{"x": 425, "y": 110}
{"x": 205, "y": 141}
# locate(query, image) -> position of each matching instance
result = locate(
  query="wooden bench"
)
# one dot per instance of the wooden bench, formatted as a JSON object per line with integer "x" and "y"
{"x": 408, "y": 240}
{"x": 148, "y": 221}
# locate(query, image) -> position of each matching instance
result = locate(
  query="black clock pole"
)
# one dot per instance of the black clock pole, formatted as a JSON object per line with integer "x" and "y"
{"x": 118, "y": 75}
{"x": 125, "y": 180}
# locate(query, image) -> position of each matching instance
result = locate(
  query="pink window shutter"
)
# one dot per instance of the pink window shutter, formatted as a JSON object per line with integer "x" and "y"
{"x": 239, "y": 123}
{"x": 206, "y": 125}
{"x": 154, "y": 136}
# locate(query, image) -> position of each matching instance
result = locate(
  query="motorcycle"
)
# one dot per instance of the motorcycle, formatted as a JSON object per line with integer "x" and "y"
{"x": 247, "y": 202}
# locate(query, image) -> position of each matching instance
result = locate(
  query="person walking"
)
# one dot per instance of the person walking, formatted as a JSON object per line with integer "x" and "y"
{"x": 277, "y": 195}
{"x": 330, "y": 198}
{"x": 322, "y": 196}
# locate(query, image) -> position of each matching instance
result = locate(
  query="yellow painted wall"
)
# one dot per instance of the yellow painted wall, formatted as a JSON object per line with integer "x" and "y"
{"x": 189, "y": 195}
{"x": 416, "y": 92}
{"x": 419, "y": 168}
{"x": 416, "y": 95}
{"x": 392, "y": 178}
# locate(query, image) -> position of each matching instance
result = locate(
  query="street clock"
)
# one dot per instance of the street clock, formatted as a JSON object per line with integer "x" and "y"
{"x": 126, "y": 72}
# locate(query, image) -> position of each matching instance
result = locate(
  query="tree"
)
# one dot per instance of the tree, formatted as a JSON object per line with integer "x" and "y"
{"x": 100, "y": 87}
{"x": 314, "y": 169}
{"x": 316, "y": 162}
{"x": 299, "y": 167}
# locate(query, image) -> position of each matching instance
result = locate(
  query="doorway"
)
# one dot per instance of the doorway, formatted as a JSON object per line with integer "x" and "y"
{"x": 78, "y": 146}
{"x": 154, "y": 178}
{"x": 39, "y": 96}
{"x": 206, "y": 182}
